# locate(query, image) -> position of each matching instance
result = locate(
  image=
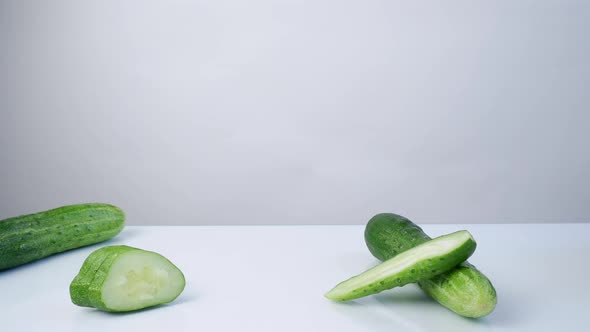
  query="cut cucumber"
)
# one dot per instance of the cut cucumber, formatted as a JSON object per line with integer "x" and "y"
{"x": 422, "y": 262}
{"x": 464, "y": 290}
{"x": 122, "y": 278}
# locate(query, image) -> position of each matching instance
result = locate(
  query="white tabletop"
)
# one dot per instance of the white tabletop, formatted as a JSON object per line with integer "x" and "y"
{"x": 272, "y": 278}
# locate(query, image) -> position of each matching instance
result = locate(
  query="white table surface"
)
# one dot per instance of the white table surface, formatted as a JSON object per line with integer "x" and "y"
{"x": 272, "y": 278}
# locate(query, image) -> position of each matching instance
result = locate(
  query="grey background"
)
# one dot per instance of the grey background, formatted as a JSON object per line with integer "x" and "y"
{"x": 286, "y": 112}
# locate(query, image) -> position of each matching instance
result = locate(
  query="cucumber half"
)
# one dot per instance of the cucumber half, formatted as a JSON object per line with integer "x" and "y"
{"x": 421, "y": 262}
{"x": 122, "y": 278}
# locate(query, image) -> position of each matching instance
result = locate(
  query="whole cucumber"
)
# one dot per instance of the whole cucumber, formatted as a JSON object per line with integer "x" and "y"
{"x": 31, "y": 237}
{"x": 464, "y": 289}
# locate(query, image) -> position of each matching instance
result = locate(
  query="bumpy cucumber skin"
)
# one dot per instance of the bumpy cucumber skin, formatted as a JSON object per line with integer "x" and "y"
{"x": 463, "y": 290}
{"x": 86, "y": 288}
{"x": 423, "y": 269}
{"x": 31, "y": 237}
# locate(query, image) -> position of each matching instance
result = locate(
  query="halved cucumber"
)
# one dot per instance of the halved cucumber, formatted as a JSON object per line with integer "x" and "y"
{"x": 122, "y": 278}
{"x": 422, "y": 262}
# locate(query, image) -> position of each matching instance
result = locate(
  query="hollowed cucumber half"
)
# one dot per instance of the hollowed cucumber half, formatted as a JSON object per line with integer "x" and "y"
{"x": 421, "y": 262}
{"x": 122, "y": 278}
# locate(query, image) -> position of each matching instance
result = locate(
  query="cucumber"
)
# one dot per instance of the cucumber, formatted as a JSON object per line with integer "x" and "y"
{"x": 421, "y": 262}
{"x": 122, "y": 278}
{"x": 464, "y": 290}
{"x": 31, "y": 237}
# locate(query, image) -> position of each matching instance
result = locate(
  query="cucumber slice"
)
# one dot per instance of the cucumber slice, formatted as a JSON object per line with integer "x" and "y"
{"x": 421, "y": 262}
{"x": 122, "y": 278}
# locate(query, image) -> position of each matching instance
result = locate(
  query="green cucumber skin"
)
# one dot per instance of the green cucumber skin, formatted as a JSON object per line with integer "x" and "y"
{"x": 387, "y": 235}
{"x": 86, "y": 288}
{"x": 463, "y": 290}
{"x": 31, "y": 237}
{"x": 423, "y": 269}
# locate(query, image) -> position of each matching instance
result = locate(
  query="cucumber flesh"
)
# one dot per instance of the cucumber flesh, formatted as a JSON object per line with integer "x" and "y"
{"x": 141, "y": 279}
{"x": 127, "y": 279}
{"x": 422, "y": 262}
